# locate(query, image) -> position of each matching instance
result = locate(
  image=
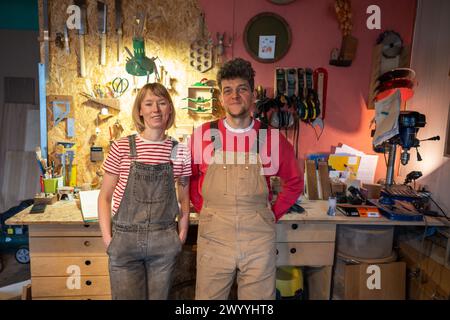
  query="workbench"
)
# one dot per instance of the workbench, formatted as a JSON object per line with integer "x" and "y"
{"x": 68, "y": 259}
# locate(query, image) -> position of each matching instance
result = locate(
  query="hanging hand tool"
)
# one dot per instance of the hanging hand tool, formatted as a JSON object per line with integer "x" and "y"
{"x": 200, "y": 53}
{"x": 302, "y": 106}
{"x": 66, "y": 39}
{"x": 119, "y": 86}
{"x": 138, "y": 64}
{"x": 60, "y": 153}
{"x": 312, "y": 98}
{"x": 291, "y": 82}
{"x": 58, "y": 113}
{"x": 70, "y": 155}
{"x": 81, "y": 32}
{"x": 118, "y": 7}
{"x": 102, "y": 13}
{"x": 320, "y": 86}
{"x": 59, "y": 40}
{"x": 45, "y": 40}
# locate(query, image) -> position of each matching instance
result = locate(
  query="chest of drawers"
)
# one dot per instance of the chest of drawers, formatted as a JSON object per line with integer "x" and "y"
{"x": 68, "y": 262}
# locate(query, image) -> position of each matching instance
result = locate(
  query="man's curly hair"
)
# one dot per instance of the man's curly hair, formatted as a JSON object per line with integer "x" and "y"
{"x": 237, "y": 68}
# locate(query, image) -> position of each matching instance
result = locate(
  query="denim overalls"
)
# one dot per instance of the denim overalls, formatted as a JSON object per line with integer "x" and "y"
{"x": 145, "y": 243}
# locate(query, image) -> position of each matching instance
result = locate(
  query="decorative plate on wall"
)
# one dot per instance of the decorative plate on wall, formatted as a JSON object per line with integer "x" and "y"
{"x": 263, "y": 27}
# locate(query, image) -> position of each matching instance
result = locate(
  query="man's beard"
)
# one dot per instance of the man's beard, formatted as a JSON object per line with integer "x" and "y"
{"x": 242, "y": 114}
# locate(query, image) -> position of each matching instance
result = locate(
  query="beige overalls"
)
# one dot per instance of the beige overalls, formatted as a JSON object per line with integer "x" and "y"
{"x": 236, "y": 233}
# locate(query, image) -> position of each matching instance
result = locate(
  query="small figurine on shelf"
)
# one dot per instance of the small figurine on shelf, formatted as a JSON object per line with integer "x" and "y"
{"x": 220, "y": 47}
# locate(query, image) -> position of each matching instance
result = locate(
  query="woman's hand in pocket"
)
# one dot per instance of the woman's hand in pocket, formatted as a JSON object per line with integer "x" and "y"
{"x": 107, "y": 241}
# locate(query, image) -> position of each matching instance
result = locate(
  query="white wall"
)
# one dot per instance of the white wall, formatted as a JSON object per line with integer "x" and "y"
{"x": 19, "y": 56}
{"x": 431, "y": 61}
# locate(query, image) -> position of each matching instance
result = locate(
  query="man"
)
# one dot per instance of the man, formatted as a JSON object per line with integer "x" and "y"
{"x": 230, "y": 189}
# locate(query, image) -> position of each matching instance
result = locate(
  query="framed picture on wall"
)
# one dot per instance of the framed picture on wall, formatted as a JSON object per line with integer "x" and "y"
{"x": 267, "y": 47}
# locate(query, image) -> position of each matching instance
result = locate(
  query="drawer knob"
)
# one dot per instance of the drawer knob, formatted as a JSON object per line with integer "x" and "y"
{"x": 293, "y": 250}
{"x": 87, "y": 243}
{"x": 277, "y": 251}
{"x": 88, "y": 282}
{"x": 87, "y": 225}
{"x": 294, "y": 226}
{"x": 87, "y": 262}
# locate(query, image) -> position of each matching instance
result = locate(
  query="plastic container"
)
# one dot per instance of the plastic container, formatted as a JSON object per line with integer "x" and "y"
{"x": 365, "y": 242}
{"x": 289, "y": 283}
{"x": 50, "y": 185}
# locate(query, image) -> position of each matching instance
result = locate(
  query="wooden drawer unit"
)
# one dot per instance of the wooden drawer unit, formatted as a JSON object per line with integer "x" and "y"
{"x": 60, "y": 266}
{"x": 67, "y": 247}
{"x": 301, "y": 232}
{"x": 61, "y": 286}
{"x": 107, "y": 297}
{"x": 62, "y": 252}
{"x": 64, "y": 230}
{"x": 305, "y": 254}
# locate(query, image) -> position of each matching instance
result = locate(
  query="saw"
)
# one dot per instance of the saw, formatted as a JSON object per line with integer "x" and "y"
{"x": 81, "y": 32}
{"x": 45, "y": 40}
{"x": 118, "y": 7}
{"x": 102, "y": 13}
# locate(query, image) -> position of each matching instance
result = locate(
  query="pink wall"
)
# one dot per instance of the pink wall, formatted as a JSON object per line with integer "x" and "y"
{"x": 315, "y": 32}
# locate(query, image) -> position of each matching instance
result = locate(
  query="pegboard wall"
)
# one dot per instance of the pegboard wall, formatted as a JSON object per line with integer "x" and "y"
{"x": 171, "y": 27}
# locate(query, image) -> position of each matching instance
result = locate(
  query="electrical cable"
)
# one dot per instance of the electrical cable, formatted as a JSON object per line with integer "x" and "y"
{"x": 315, "y": 132}
{"x": 429, "y": 197}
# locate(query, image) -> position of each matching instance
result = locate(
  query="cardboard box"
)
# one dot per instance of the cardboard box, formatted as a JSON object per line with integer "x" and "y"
{"x": 337, "y": 187}
{"x": 384, "y": 281}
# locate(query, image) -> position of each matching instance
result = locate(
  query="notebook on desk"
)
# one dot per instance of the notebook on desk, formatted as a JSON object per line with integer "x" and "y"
{"x": 88, "y": 200}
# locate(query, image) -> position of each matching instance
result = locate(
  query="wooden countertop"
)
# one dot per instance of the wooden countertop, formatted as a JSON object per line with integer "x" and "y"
{"x": 61, "y": 212}
{"x": 316, "y": 211}
{"x": 69, "y": 212}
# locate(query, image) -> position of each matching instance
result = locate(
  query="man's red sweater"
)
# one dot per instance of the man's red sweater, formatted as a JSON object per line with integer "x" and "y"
{"x": 283, "y": 164}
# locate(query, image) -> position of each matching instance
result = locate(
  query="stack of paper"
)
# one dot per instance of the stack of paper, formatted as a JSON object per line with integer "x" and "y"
{"x": 88, "y": 200}
{"x": 364, "y": 164}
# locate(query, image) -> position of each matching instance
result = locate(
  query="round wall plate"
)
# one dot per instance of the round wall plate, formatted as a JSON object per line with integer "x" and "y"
{"x": 267, "y": 24}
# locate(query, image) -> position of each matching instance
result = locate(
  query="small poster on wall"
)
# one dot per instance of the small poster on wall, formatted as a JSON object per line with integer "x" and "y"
{"x": 267, "y": 47}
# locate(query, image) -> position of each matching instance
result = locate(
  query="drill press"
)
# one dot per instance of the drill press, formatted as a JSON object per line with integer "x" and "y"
{"x": 401, "y": 202}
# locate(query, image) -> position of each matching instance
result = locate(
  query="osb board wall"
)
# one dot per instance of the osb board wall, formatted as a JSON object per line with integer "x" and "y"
{"x": 171, "y": 27}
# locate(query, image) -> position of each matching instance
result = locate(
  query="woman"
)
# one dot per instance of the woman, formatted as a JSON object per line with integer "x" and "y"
{"x": 140, "y": 169}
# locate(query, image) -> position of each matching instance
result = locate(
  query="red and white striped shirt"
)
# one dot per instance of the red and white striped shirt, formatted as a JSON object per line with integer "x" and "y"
{"x": 118, "y": 161}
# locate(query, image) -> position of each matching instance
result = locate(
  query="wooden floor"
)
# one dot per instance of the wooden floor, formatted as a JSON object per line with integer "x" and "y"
{"x": 13, "y": 271}
{"x": 13, "y": 277}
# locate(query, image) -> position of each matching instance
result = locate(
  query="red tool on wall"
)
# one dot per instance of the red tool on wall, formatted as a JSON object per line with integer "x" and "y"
{"x": 320, "y": 86}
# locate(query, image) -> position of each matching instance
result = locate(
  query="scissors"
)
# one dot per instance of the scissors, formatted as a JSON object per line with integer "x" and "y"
{"x": 99, "y": 91}
{"x": 119, "y": 86}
